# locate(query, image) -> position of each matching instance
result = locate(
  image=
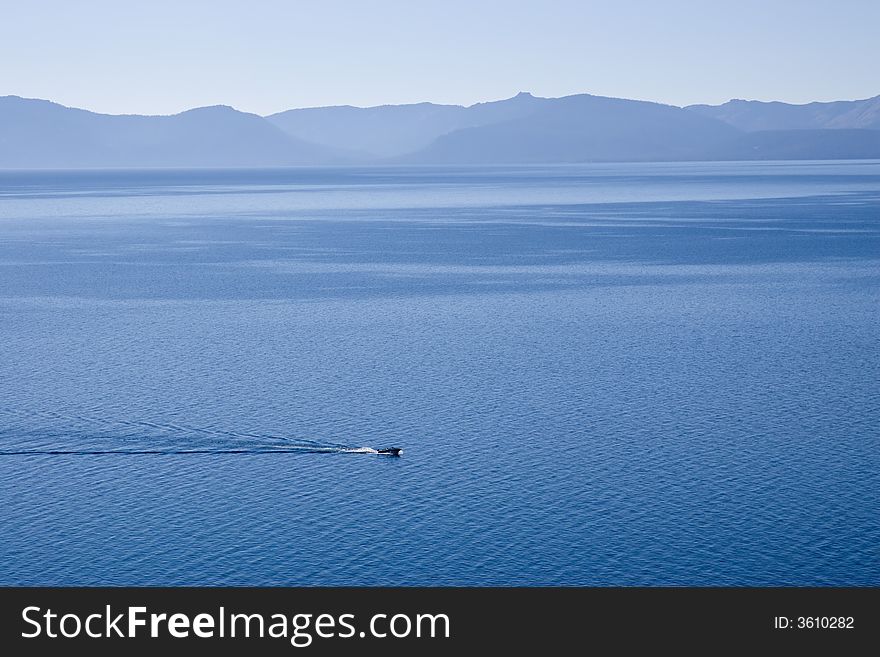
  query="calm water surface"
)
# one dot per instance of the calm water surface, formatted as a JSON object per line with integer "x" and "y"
{"x": 620, "y": 374}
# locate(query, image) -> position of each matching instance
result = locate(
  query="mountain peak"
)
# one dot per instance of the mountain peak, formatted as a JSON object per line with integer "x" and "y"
{"x": 213, "y": 109}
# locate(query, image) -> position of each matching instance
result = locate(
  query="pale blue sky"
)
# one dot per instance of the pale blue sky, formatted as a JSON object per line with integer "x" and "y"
{"x": 263, "y": 56}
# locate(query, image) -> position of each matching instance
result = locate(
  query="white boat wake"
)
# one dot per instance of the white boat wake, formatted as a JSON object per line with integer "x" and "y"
{"x": 35, "y": 432}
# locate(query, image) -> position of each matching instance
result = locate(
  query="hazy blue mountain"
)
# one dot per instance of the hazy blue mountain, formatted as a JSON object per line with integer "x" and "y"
{"x": 753, "y": 115}
{"x": 42, "y": 134}
{"x": 522, "y": 129}
{"x": 582, "y": 128}
{"x": 390, "y": 130}
{"x": 829, "y": 144}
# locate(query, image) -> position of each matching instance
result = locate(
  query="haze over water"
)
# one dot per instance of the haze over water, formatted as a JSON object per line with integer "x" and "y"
{"x": 600, "y": 375}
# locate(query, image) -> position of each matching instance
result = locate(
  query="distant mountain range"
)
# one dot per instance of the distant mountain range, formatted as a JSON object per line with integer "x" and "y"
{"x": 582, "y": 128}
{"x": 394, "y": 130}
{"x": 41, "y": 134}
{"x": 754, "y": 115}
{"x": 523, "y": 129}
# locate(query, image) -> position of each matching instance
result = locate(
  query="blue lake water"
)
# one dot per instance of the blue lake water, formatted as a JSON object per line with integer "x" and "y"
{"x": 601, "y": 375}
